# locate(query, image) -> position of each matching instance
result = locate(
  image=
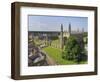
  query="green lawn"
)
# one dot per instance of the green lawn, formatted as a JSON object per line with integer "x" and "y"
{"x": 56, "y": 54}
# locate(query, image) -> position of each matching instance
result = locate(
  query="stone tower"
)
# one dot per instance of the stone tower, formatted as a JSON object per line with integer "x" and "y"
{"x": 78, "y": 30}
{"x": 61, "y": 37}
{"x": 82, "y": 30}
{"x": 69, "y": 29}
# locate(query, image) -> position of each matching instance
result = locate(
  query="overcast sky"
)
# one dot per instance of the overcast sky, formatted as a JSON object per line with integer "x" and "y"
{"x": 53, "y": 23}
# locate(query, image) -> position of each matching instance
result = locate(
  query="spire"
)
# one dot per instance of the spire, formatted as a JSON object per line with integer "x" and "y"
{"x": 62, "y": 27}
{"x": 69, "y": 28}
{"x": 61, "y": 36}
{"x": 77, "y": 29}
{"x": 82, "y": 30}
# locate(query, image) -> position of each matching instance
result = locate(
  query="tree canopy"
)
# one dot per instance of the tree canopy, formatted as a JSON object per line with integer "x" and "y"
{"x": 72, "y": 49}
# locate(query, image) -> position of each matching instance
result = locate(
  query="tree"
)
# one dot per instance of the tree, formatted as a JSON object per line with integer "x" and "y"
{"x": 85, "y": 35}
{"x": 72, "y": 49}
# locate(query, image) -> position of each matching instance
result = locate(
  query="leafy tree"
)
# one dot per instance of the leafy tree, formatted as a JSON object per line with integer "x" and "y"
{"x": 85, "y": 34}
{"x": 72, "y": 49}
{"x": 85, "y": 40}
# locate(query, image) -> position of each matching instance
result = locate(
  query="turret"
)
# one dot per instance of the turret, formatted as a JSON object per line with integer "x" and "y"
{"x": 82, "y": 30}
{"x": 69, "y": 28}
{"x": 61, "y": 37}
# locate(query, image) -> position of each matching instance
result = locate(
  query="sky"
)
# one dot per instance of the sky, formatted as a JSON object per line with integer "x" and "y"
{"x": 53, "y": 23}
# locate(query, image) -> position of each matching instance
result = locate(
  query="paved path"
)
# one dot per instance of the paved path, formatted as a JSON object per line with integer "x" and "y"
{"x": 49, "y": 60}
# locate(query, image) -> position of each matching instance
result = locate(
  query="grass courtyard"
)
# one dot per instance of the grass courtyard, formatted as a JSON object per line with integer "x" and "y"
{"x": 56, "y": 55}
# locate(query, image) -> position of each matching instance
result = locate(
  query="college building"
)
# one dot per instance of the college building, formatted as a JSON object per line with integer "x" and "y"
{"x": 47, "y": 36}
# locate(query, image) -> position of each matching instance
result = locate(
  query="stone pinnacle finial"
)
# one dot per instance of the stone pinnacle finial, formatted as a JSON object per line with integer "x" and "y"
{"x": 83, "y": 30}
{"x": 69, "y": 28}
{"x": 61, "y": 27}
